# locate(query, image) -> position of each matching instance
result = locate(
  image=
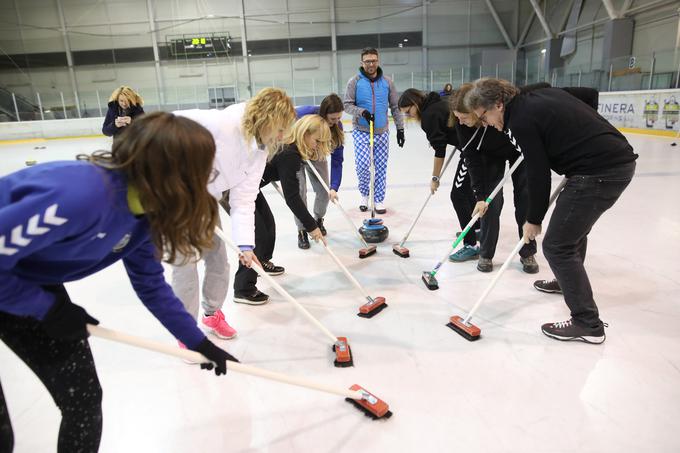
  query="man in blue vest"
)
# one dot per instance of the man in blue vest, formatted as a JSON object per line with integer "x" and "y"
{"x": 368, "y": 95}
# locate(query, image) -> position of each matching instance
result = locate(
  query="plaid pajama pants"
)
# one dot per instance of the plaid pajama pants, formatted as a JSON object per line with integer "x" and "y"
{"x": 362, "y": 150}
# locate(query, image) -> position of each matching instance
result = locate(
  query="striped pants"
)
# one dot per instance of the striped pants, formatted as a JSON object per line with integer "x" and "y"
{"x": 362, "y": 155}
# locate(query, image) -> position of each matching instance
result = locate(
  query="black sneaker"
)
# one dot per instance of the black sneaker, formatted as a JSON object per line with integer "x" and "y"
{"x": 568, "y": 331}
{"x": 529, "y": 264}
{"x": 256, "y": 298}
{"x": 319, "y": 223}
{"x": 484, "y": 264}
{"x": 548, "y": 286}
{"x": 272, "y": 269}
{"x": 303, "y": 240}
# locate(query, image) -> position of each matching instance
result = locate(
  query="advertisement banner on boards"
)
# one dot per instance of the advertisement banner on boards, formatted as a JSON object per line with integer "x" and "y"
{"x": 651, "y": 110}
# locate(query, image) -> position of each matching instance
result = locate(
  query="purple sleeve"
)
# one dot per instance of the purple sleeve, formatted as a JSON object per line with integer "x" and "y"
{"x": 306, "y": 110}
{"x": 146, "y": 276}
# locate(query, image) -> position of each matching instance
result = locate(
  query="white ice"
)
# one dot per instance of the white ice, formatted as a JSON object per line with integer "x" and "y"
{"x": 514, "y": 390}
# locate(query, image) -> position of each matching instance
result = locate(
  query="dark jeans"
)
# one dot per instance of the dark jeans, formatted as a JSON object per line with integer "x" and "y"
{"x": 463, "y": 200}
{"x": 494, "y": 169}
{"x": 245, "y": 280}
{"x": 66, "y": 369}
{"x": 577, "y": 208}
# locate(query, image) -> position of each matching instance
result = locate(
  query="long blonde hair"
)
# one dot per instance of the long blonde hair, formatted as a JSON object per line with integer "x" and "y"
{"x": 269, "y": 108}
{"x": 131, "y": 95}
{"x": 311, "y": 124}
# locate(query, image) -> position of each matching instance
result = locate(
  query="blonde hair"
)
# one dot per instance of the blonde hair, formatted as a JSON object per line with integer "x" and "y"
{"x": 311, "y": 124}
{"x": 457, "y": 104}
{"x": 130, "y": 94}
{"x": 270, "y": 108}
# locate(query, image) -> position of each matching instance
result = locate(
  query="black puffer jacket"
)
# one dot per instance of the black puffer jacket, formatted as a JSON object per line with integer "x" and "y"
{"x": 434, "y": 118}
{"x": 109, "y": 128}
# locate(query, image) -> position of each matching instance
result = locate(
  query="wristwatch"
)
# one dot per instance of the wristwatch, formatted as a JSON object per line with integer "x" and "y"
{"x": 435, "y": 179}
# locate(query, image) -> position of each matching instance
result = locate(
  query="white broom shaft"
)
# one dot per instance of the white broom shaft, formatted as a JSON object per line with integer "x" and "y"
{"x": 143, "y": 343}
{"x": 278, "y": 287}
{"x": 330, "y": 252}
{"x": 346, "y": 271}
{"x": 422, "y": 208}
{"x": 337, "y": 203}
{"x": 507, "y": 262}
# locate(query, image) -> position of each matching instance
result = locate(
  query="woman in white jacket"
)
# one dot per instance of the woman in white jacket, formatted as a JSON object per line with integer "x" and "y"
{"x": 245, "y": 135}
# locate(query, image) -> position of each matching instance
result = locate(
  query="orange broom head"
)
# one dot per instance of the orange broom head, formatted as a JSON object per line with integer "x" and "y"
{"x": 400, "y": 251}
{"x": 343, "y": 353}
{"x": 370, "y": 404}
{"x": 372, "y": 308}
{"x": 468, "y": 331}
{"x": 368, "y": 251}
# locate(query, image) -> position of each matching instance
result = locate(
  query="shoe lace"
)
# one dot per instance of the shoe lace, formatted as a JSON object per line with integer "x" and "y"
{"x": 562, "y": 324}
{"x": 268, "y": 265}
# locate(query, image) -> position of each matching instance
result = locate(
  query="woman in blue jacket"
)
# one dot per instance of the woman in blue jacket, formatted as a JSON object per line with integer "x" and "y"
{"x": 124, "y": 105}
{"x": 62, "y": 221}
{"x": 330, "y": 110}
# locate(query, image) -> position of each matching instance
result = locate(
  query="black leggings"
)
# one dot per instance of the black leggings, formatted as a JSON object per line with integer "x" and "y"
{"x": 463, "y": 200}
{"x": 66, "y": 368}
{"x": 265, "y": 239}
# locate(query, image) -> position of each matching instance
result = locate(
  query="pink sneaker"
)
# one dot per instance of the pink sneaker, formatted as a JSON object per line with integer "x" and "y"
{"x": 219, "y": 326}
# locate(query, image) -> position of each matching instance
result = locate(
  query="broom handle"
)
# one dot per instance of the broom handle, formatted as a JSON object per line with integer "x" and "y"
{"x": 474, "y": 218}
{"x": 507, "y": 262}
{"x": 371, "y": 187}
{"x": 143, "y": 343}
{"x": 278, "y": 287}
{"x": 347, "y": 273}
{"x": 337, "y": 203}
{"x": 441, "y": 174}
{"x": 335, "y": 258}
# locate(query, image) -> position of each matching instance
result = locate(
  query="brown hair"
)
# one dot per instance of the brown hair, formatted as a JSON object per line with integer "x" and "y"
{"x": 131, "y": 95}
{"x": 486, "y": 92}
{"x": 368, "y": 51}
{"x": 411, "y": 97}
{"x": 311, "y": 124}
{"x": 269, "y": 108}
{"x": 333, "y": 104}
{"x": 457, "y": 103}
{"x": 168, "y": 159}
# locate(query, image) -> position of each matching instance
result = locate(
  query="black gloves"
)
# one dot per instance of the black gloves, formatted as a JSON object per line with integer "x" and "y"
{"x": 400, "y": 138}
{"x": 368, "y": 116}
{"x": 66, "y": 320}
{"x": 214, "y": 354}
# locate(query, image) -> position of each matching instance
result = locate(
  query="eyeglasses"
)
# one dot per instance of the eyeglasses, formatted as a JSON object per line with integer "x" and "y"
{"x": 370, "y": 62}
{"x": 482, "y": 117}
{"x": 214, "y": 173}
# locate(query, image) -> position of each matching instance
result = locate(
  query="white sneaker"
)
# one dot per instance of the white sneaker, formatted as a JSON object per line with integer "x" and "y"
{"x": 363, "y": 206}
{"x": 380, "y": 208}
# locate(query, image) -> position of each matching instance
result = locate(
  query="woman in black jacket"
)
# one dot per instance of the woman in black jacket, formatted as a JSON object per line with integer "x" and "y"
{"x": 310, "y": 139}
{"x": 124, "y": 105}
{"x": 558, "y": 132}
{"x": 433, "y": 114}
{"x": 486, "y": 159}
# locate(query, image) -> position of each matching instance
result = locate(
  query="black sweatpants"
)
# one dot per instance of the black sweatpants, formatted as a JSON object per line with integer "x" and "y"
{"x": 463, "y": 200}
{"x": 494, "y": 169}
{"x": 245, "y": 280}
{"x": 66, "y": 368}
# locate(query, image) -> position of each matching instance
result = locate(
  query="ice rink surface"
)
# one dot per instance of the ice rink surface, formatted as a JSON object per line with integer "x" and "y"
{"x": 514, "y": 390}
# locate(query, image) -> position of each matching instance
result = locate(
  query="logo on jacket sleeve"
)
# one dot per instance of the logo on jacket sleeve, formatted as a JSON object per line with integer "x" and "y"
{"x": 21, "y": 237}
{"x": 122, "y": 243}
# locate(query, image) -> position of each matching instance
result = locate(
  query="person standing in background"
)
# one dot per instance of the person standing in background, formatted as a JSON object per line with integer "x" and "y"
{"x": 124, "y": 105}
{"x": 368, "y": 96}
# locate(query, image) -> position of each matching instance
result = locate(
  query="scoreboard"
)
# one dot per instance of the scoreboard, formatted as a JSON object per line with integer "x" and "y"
{"x": 200, "y": 46}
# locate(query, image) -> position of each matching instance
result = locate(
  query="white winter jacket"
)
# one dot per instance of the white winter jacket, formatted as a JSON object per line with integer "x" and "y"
{"x": 240, "y": 165}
